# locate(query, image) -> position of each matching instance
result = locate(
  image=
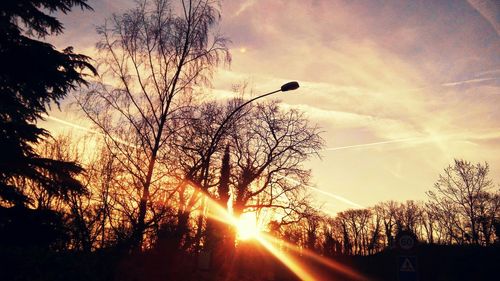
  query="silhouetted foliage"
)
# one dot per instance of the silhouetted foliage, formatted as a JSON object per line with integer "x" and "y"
{"x": 166, "y": 154}
{"x": 151, "y": 57}
{"x": 465, "y": 203}
{"x": 22, "y": 227}
{"x": 32, "y": 75}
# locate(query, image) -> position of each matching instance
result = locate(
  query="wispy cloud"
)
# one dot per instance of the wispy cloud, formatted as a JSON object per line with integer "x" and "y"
{"x": 244, "y": 6}
{"x": 490, "y": 10}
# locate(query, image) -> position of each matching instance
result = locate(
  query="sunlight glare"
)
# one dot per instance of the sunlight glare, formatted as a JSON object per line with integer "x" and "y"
{"x": 293, "y": 264}
{"x": 247, "y": 226}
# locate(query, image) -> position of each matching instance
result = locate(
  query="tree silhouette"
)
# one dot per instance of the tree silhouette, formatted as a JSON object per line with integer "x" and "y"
{"x": 32, "y": 75}
{"x": 464, "y": 202}
{"x": 270, "y": 146}
{"x": 151, "y": 59}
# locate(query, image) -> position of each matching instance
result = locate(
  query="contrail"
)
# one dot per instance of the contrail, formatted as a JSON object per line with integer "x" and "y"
{"x": 416, "y": 140}
{"x": 370, "y": 144}
{"x": 85, "y": 129}
{"x": 470, "y": 81}
{"x": 340, "y": 198}
{"x": 78, "y": 127}
{"x": 334, "y": 196}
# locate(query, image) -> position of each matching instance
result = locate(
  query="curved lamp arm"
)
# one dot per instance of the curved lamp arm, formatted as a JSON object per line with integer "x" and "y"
{"x": 290, "y": 86}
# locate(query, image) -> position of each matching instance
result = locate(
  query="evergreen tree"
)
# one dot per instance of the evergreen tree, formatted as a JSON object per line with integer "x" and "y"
{"x": 33, "y": 74}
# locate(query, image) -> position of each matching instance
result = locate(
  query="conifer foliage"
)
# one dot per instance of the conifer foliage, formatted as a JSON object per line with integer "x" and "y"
{"x": 33, "y": 74}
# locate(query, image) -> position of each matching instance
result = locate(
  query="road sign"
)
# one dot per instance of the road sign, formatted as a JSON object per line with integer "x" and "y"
{"x": 406, "y": 241}
{"x": 407, "y": 268}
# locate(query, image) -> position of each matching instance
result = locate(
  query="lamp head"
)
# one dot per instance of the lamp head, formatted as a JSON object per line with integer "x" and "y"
{"x": 290, "y": 86}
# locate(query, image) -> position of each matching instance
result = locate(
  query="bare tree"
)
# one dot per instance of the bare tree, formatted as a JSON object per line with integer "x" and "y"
{"x": 331, "y": 244}
{"x": 489, "y": 211}
{"x": 312, "y": 224}
{"x": 102, "y": 178}
{"x": 375, "y": 232}
{"x": 151, "y": 59}
{"x": 430, "y": 223}
{"x": 250, "y": 161}
{"x": 408, "y": 216}
{"x": 269, "y": 148}
{"x": 387, "y": 211}
{"x": 199, "y": 159}
{"x": 460, "y": 197}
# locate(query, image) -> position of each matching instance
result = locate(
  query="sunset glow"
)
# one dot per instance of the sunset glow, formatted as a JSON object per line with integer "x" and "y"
{"x": 250, "y": 140}
{"x": 247, "y": 226}
{"x": 288, "y": 254}
{"x": 384, "y": 82}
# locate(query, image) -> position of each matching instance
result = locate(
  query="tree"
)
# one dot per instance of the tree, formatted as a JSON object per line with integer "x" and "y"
{"x": 26, "y": 93}
{"x": 269, "y": 147}
{"x": 196, "y": 152}
{"x": 251, "y": 161}
{"x": 388, "y": 212}
{"x": 152, "y": 59}
{"x": 408, "y": 215}
{"x": 430, "y": 224}
{"x": 375, "y": 232}
{"x": 313, "y": 220}
{"x": 330, "y": 243}
{"x": 461, "y": 199}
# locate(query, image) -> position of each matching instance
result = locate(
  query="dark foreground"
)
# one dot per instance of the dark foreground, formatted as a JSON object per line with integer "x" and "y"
{"x": 435, "y": 263}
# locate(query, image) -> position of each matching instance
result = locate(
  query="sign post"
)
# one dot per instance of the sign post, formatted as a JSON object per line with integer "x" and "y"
{"x": 407, "y": 261}
{"x": 407, "y": 268}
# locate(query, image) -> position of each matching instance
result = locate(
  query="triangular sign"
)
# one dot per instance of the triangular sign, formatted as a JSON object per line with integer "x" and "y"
{"x": 407, "y": 266}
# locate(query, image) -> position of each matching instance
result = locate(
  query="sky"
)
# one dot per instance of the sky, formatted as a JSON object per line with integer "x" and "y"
{"x": 399, "y": 88}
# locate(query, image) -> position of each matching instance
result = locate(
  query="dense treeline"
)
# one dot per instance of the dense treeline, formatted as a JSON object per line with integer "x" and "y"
{"x": 101, "y": 218}
{"x": 371, "y": 230}
{"x": 463, "y": 208}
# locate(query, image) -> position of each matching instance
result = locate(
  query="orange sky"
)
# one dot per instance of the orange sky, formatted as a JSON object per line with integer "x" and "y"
{"x": 400, "y": 88}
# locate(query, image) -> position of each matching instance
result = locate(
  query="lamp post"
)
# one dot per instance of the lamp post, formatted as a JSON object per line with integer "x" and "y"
{"x": 290, "y": 86}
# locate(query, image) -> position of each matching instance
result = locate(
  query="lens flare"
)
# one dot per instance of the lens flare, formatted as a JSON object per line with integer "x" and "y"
{"x": 293, "y": 257}
{"x": 338, "y": 267}
{"x": 247, "y": 227}
{"x": 292, "y": 263}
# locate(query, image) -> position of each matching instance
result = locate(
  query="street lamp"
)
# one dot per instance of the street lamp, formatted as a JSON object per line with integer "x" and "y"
{"x": 290, "y": 86}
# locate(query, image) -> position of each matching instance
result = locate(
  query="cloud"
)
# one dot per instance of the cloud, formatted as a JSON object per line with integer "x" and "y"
{"x": 490, "y": 10}
{"x": 244, "y": 6}
{"x": 373, "y": 75}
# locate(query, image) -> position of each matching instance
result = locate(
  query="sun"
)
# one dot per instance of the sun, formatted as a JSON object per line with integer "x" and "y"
{"x": 247, "y": 226}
